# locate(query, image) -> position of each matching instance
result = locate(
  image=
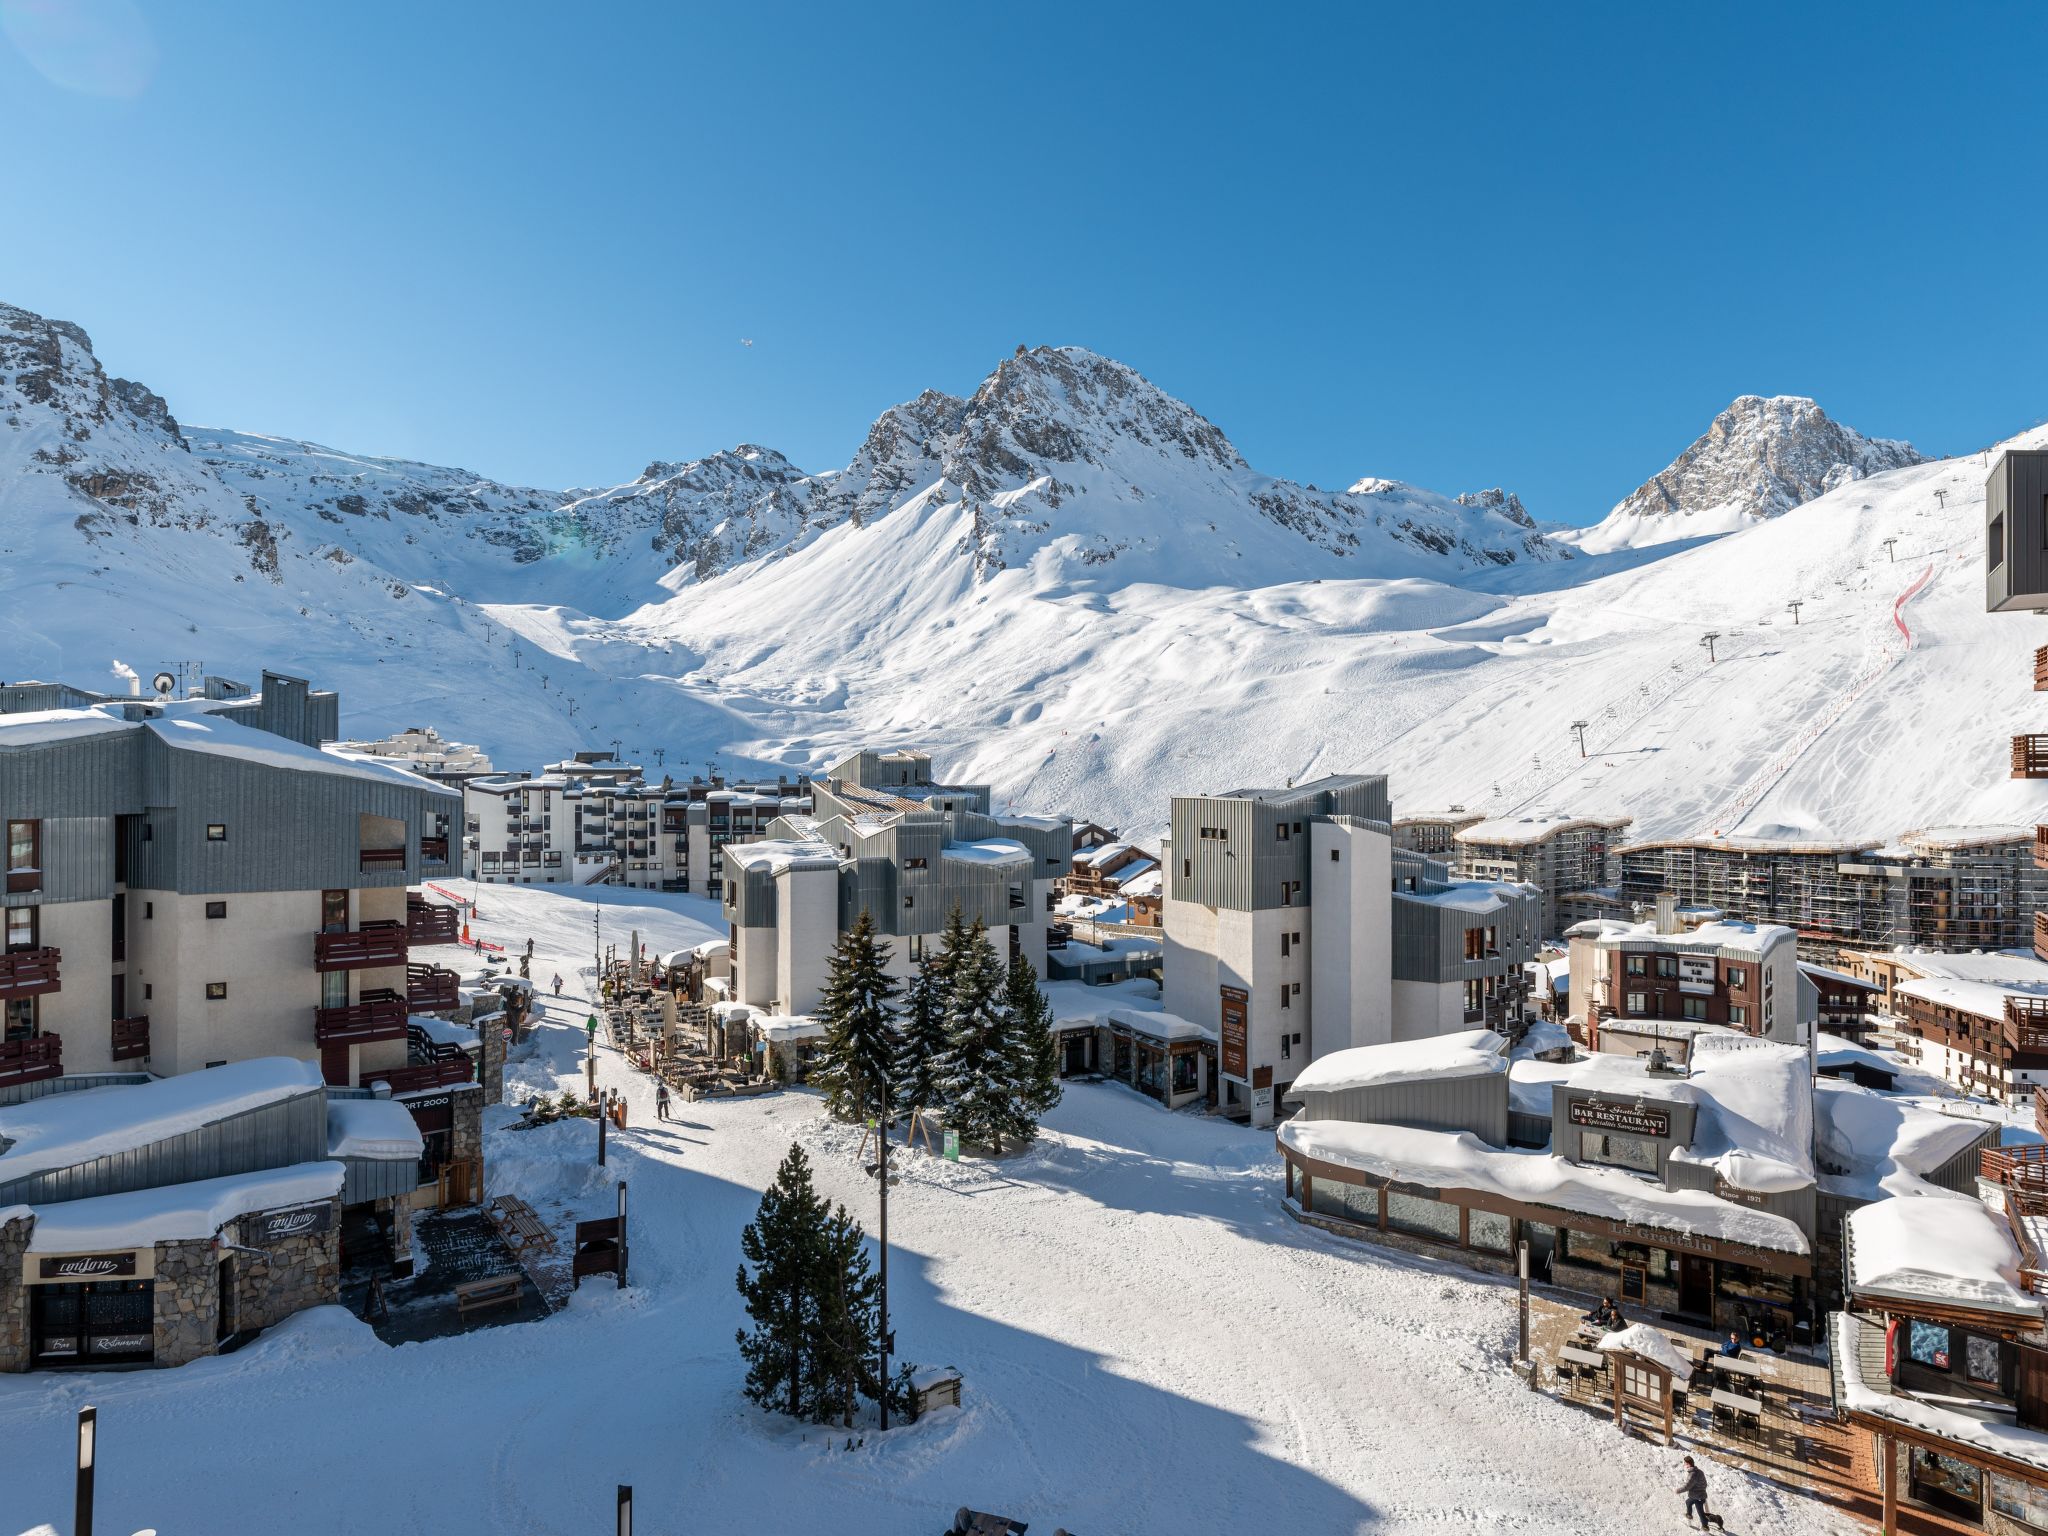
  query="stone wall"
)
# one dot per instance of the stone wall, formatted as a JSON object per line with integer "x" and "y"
{"x": 491, "y": 1056}
{"x": 466, "y": 1130}
{"x": 187, "y": 1300}
{"x": 294, "y": 1274}
{"x": 14, "y": 1294}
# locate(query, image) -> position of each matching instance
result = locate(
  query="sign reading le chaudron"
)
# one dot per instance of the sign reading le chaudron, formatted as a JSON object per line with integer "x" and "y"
{"x": 1631, "y": 1119}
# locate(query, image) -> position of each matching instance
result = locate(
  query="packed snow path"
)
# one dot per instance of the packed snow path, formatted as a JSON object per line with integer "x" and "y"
{"x": 1148, "y": 1345}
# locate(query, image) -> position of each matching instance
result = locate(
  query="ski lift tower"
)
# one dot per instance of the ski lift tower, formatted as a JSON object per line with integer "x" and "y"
{"x": 1891, "y": 547}
{"x": 1579, "y": 728}
{"x": 1795, "y": 605}
{"x": 1708, "y": 640}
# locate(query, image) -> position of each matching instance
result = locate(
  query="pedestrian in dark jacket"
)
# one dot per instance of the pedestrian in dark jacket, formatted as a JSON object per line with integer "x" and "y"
{"x": 1733, "y": 1348}
{"x": 1695, "y": 1490}
{"x": 661, "y": 1101}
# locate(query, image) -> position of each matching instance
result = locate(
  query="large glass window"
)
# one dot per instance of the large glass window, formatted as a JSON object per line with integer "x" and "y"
{"x": 1945, "y": 1483}
{"x": 1423, "y": 1218}
{"x": 1982, "y": 1361}
{"x": 1186, "y": 1072}
{"x": 24, "y": 856}
{"x": 1487, "y": 1230}
{"x": 1618, "y": 1151}
{"x": 1349, "y": 1202}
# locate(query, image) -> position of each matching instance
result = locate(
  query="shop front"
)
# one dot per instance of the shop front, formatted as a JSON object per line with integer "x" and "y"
{"x": 91, "y": 1308}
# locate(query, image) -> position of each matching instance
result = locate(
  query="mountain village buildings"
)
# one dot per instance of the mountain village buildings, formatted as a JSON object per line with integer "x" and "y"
{"x": 1560, "y": 855}
{"x": 423, "y": 751}
{"x": 1658, "y": 983}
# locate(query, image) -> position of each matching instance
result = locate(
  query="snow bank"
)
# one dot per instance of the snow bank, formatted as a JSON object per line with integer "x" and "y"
{"x": 62, "y": 1129}
{"x": 1882, "y": 1145}
{"x": 376, "y": 1128}
{"x": 1642, "y": 1339}
{"x": 1936, "y": 1247}
{"x": 1441, "y": 1159}
{"x": 175, "y": 1211}
{"x": 1470, "y": 1053}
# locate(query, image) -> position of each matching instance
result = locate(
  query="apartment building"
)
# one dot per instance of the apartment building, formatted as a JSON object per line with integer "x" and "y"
{"x": 1293, "y": 921}
{"x": 423, "y": 750}
{"x": 594, "y": 819}
{"x": 1977, "y": 1020}
{"x": 1635, "y": 985}
{"x": 188, "y": 884}
{"x": 1434, "y": 832}
{"x": 1562, "y": 856}
{"x": 886, "y": 838}
{"x": 1938, "y": 888}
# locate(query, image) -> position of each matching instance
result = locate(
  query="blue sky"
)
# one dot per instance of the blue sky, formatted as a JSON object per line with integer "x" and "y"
{"x": 1535, "y": 246}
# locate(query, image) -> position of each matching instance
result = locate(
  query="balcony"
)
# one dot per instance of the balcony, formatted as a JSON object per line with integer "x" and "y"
{"x": 2030, "y": 757}
{"x": 131, "y": 1038}
{"x": 433, "y": 850}
{"x": 383, "y": 860}
{"x": 371, "y": 945}
{"x": 429, "y": 989}
{"x": 428, "y": 922}
{"x": 2041, "y": 935}
{"x": 379, "y": 1015}
{"x": 2026, "y": 1023}
{"x": 29, "y": 973}
{"x": 27, "y": 1061}
{"x": 423, "y": 1075}
{"x": 2041, "y": 670}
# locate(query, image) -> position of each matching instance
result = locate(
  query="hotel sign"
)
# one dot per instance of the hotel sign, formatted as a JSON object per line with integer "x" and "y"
{"x": 1628, "y": 1119}
{"x": 1696, "y": 973}
{"x": 87, "y": 1266}
{"x": 274, "y": 1227}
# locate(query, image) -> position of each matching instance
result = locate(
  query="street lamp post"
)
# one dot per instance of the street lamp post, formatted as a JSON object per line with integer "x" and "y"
{"x": 87, "y": 1427}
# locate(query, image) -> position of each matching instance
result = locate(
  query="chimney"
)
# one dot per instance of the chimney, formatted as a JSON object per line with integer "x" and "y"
{"x": 1667, "y": 912}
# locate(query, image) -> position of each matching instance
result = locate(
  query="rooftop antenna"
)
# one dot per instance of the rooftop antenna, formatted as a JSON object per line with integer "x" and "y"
{"x": 1891, "y": 548}
{"x": 1579, "y": 726}
{"x": 1795, "y": 605}
{"x": 1708, "y": 640}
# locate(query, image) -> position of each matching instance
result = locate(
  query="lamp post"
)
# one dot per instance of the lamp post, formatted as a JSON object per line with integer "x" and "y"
{"x": 625, "y": 1509}
{"x": 82, "y": 1514}
{"x": 1522, "y": 1270}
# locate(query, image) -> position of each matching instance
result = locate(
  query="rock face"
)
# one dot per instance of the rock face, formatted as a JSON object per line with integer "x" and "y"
{"x": 1760, "y": 458}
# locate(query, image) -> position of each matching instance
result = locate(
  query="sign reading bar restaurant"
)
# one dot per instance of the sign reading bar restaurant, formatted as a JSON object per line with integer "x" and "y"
{"x": 88, "y": 1266}
{"x": 275, "y": 1226}
{"x": 1630, "y": 1119}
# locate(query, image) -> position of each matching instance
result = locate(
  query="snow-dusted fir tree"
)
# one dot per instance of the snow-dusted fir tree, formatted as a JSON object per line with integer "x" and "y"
{"x": 1036, "y": 1054}
{"x": 921, "y": 1023}
{"x": 858, "y": 1011}
{"x": 985, "y": 1098}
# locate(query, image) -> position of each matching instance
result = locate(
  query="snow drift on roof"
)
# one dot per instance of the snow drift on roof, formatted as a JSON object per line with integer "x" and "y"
{"x": 1936, "y": 1247}
{"x": 177, "y": 1211}
{"x": 1642, "y": 1339}
{"x": 378, "y": 1128}
{"x": 1470, "y": 1053}
{"x": 1874, "y": 1145}
{"x": 777, "y": 855}
{"x": 63, "y": 1129}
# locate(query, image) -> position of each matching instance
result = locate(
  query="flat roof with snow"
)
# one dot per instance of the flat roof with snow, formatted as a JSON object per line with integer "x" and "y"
{"x": 143, "y": 1217}
{"x": 1469, "y": 1053}
{"x": 1939, "y": 1250}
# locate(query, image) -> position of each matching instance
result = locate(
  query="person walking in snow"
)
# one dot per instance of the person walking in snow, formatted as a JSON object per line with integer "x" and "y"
{"x": 558, "y": 983}
{"x": 661, "y": 1101}
{"x": 1695, "y": 1490}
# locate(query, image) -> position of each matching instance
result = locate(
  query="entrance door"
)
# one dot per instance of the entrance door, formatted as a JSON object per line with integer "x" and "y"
{"x": 226, "y": 1325}
{"x": 1077, "y": 1055}
{"x": 1695, "y": 1285}
{"x": 102, "y": 1322}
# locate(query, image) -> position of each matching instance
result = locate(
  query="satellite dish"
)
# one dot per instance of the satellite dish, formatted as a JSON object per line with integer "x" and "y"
{"x": 164, "y": 684}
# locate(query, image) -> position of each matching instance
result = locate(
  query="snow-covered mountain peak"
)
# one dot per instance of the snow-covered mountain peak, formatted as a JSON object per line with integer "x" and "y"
{"x": 1761, "y": 457}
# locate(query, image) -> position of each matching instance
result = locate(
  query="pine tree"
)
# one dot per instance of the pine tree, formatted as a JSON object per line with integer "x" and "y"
{"x": 859, "y": 1014}
{"x": 1036, "y": 1061}
{"x": 784, "y": 1244}
{"x": 849, "y": 1323}
{"x": 921, "y": 1026}
{"x": 977, "y": 1073}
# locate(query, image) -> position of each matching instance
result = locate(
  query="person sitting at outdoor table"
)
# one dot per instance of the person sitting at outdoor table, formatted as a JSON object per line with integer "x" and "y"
{"x": 1732, "y": 1350}
{"x": 1607, "y": 1315}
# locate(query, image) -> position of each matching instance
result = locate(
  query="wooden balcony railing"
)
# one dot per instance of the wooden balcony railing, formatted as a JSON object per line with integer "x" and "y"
{"x": 378, "y": 1015}
{"x": 371, "y": 945}
{"x": 382, "y": 858}
{"x": 429, "y": 989}
{"x": 2026, "y": 1023}
{"x": 2041, "y": 1109}
{"x": 2041, "y": 669}
{"x": 2030, "y": 757}
{"x": 428, "y": 922}
{"x": 131, "y": 1038}
{"x": 433, "y": 850}
{"x": 413, "y": 1078}
{"x": 29, "y": 973}
{"x": 2041, "y": 935}
{"x": 26, "y": 1061}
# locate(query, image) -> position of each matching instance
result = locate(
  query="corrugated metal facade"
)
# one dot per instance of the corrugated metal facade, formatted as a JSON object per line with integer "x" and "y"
{"x": 1244, "y": 863}
{"x": 2016, "y": 521}
{"x": 276, "y": 1135}
{"x": 1478, "y": 1104}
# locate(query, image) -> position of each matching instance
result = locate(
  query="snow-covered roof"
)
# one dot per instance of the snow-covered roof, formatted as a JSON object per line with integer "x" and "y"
{"x": 1469, "y": 1053}
{"x": 172, "y": 1212}
{"x": 1936, "y": 1248}
{"x": 1459, "y": 1160}
{"x": 784, "y": 1029}
{"x": 1151, "y": 882}
{"x": 377, "y": 1128}
{"x": 1839, "y": 978}
{"x": 1986, "y": 999}
{"x": 60, "y": 1130}
{"x": 1847, "y": 1336}
{"x": 990, "y": 850}
{"x": 40, "y": 727}
{"x": 1874, "y": 1144}
{"x": 1642, "y": 1339}
{"x": 189, "y": 725}
{"x": 1966, "y": 836}
{"x": 1102, "y": 853}
{"x": 445, "y": 1032}
{"x": 1746, "y": 940}
{"x": 777, "y": 855}
{"x": 1519, "y": 831}
{"x": 1834, "y": 1051}
{"x": 1476, "y": 896}
{"x": 1160, "y": 1025}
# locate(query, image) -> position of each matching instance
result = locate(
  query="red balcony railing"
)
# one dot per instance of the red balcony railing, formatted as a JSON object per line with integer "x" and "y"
{"x": 379, "y": 1015}
{"x": 2041, "y": 1109}
{"x": 428, "y": 922}
{"x": 29, "y": 973}
{"x": 371, "y": 945}
{"x": 429, "y": 989}
{"x": 2041, "y": 935}
{"x": 25, "y": 1061}
{"x": 383, "y": 858}
{"x": 131, "y": 1037}
{"x": 434, "y": 850}
{"x": 432, "y": 1074}
{"x": 2030, "y": 757}
{"x": 2041, "y": 669}
{"x": 2026, "y": 1023}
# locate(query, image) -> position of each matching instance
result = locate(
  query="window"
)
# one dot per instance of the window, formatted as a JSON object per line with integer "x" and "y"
{"x": 24, "y": 856}
{"x": 1927, "y": 1343}
{"x": 1618, "y": 1151}
{"x": 1694, "y": 1008}
{"x": 1280, "y": 832}
{"x": 1638, "y": 1002}
{"x": 1667, "y": 966}
{"x": 334, "y": 911}
{"x": 909, "y": 902}
{"x": 216, "y": 991}
{"x": 21, "y": 928}
{"x": 1487, "y": 1230}
{"x": 1638, "y": 965}
{"x": 216, "y": 909}
{"x": 914, "y": 864}
{"x": 1994, "y": 541}
{"x": 216, "y": 831}
{"x": 1420, "y": 1217}
{"x": 1944, "y": 1483}
{"x": 1187, "y": 869}
{"x": 916, "y": 943}
{"x": 1738, "y": 1016}
{"x": 1284, "y": 938}
{"x": 149, "y": 909}
{"x": 1737, "y": 976}
{"x": 1297, "y": 829}
{"x": 1333, "y": 855}
{"x": 2024, "y": 1502}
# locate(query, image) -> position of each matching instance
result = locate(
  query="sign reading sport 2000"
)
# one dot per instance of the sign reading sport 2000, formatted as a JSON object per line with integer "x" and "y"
{"x": 1629, "y": 1119}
